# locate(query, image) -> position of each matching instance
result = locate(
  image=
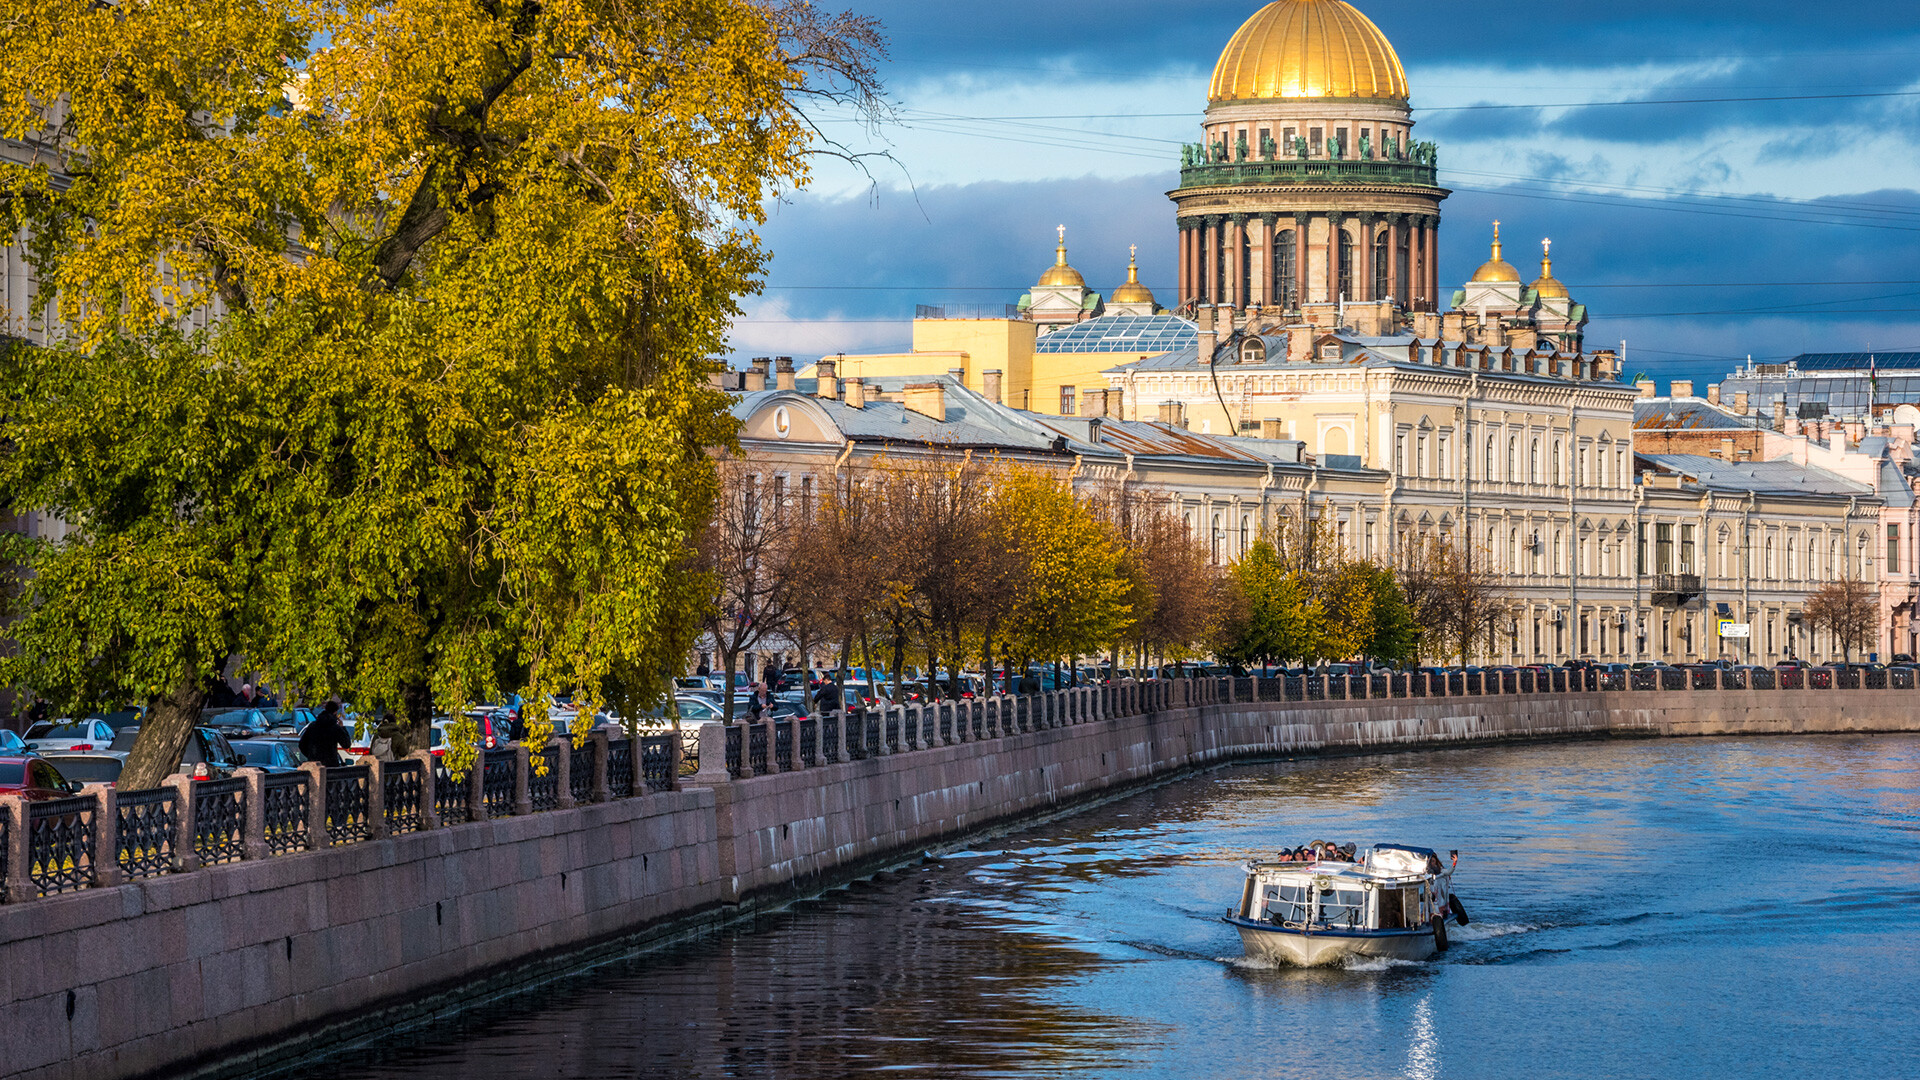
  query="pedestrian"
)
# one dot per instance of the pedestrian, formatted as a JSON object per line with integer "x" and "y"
{"x": 325, "y": 737}
{"x": 246, "y": 699}
{"x": 758, "y": 702}
{"x": 827, "y": 698}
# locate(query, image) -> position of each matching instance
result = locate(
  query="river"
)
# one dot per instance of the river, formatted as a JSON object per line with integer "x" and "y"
{"x": 1676, "y": 908}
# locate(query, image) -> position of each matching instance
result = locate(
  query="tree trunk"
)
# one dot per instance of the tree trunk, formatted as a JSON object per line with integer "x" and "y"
{"x": 726, "y": 690}
{"x": 416, "y": 718}
{"x": 163, "y": 736}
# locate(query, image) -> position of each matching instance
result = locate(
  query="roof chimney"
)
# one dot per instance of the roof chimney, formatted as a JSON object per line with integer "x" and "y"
{"x": 1740, "y": 402}
{"x": 927, "y": 399}
{"x": 1206, "y": 334}
{"x": 1645, "y": 386}
{"x": 991, "y": 381}
{"x": 856, "y": 394}
{"x": 827, "y": 379}
{"x": 1713, "y": 394}
{"x": 1680, "y": 388}
{"x": 1272, "y": 429}
{"x": 1726, "y": 448}
{"x": 1095, "y": 403}
{"x": 1780, "y": 414}
{"x": 783, "y": 373}
{"x": 958, "y": 375}
{"x": 1173, "y": 414}
{"x": 751, "y": 381}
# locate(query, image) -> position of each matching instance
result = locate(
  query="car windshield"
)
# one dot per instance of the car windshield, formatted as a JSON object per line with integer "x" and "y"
{"x": 92, "y": 770}
{"x": 50, "y": 730}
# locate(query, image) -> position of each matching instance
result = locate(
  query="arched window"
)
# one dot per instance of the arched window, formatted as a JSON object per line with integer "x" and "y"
{"x": 1533, "y": 462}
{"x": 1218, "y": 533}
{"x": 1558, "y": 564}
{"x": 1769, "y": 558}
{"x": 1813, "y": 554}
{"x": 1556, "y": 463}
{"x": 1285, "y": 276}
{"x": 1513, "y": 551}
{"x": 1346, "y": 265}
{"x": 1488, "y": 475}
{"x": 1246, "y": 532}
{"x": 1380, "y": 267}
{"x": 1513, "y": 458}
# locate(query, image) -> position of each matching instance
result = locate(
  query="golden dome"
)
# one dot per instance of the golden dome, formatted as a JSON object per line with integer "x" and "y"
{"x": 1133, "y": 292}
{"x": 1496, "y": 268}
{"x": 1060, "y": 274}
{"x": 1308, "y": 49}
{"x": 1546, "y": 285}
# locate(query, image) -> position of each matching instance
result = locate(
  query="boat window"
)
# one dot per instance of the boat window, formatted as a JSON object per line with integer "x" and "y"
{"x": 1344, "y": 907}
{"x": 1288, "y": 903}
{"x": 1393, "y": 914}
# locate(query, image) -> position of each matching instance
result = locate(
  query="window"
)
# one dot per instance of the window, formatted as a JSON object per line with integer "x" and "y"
{"x": 1313, "y": 140}
{"x": 1686, "y": 549}
{"x": 1246, "y": 532}
{"x": 1640, "y": 555}
{"x": 1285, "y": 277}
{"x": 1420, "y": 456}
{"x": 1488, "y": 475}
{"x": 1556, "y": 463}
{"x": 1893, "y": 549}
{"x": 1218, "y": 535}
{"x": 1533, "y": 462}
{"x": 1440, "y": 458}
{"x": 1346, "y": 265}
{"x": 1559, "y": 563}
{"x": 1513, "y": 459}
{"x": 1620, "y": 477}
{"x": 1582, "y": 478}
{"x": 1769, "y": 559}
{"x": 1380, "y": 266}
{"x": 1513, "y": 551}
{"x": 1066, "y": 401}
{"x": 1663, "y": 548}
{"x": 1400, "y": 454}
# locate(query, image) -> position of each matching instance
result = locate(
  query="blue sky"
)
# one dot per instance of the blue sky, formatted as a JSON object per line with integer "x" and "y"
{"x": 1699, "y": 233}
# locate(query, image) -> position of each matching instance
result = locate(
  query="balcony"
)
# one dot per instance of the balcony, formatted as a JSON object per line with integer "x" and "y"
{"x": 1674, "y": 590}
{"x": 1398, "y": 173}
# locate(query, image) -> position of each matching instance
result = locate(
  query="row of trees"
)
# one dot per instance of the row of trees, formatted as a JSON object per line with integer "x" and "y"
{"x": 374, "y": 337}
{"x": 949, "y": 562}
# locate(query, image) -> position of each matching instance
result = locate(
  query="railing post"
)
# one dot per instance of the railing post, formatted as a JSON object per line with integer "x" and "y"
{"x": 186, "y": 858}
{"x": 713, "y": 758}
{"x": 429, "y": 808}
{"x": 477, "y": 787}
{"x": 19, "y": 883}
{"x": 253, "y": 815}
{"x": 773, "y": 745}
{"x": 106, "y": 835}
{"x": 317, "y": 838}
{"x": 563, "y": 771}
{"x": 676, "y": 753}
{"x": 376, "y": 798}
{"x": 599, "y": 741}
{"x": 522, "y": 773}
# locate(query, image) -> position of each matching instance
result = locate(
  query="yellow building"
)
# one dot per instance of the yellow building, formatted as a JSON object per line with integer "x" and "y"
{"x": 1044, "y": 354}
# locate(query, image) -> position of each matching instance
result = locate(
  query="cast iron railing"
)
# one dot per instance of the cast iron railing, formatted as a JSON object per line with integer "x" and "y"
{"x": 656, "y": 759}
{"x": 497, "y": 782}
{"x": 450, "y": 797}
{"x": 220, "y": 820}
{"x": 757, "y": 748}
{"x": 402, "y": 784}
{"x": 60, "y": 843}
{"x": 580, "y": 773}
{"x": 620, "y": 767}
{"x": 348, "y": 819}
{"x": 287, "y": 798}
{"x": 145, "y": 824}
{"x": 543, "y": 779}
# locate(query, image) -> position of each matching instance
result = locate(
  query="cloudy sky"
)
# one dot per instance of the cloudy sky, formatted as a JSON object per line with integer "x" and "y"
{"x": 1719, "y": 180}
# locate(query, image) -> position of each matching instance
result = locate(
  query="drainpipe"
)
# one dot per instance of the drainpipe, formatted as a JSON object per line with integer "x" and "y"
{"x": 841, "y": 461}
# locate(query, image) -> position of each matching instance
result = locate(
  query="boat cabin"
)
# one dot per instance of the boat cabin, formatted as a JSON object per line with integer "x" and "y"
{"x": 1388, "y": 888}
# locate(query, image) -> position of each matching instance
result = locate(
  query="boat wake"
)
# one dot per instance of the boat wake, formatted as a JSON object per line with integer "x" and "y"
{"x": 1481, "y": 931}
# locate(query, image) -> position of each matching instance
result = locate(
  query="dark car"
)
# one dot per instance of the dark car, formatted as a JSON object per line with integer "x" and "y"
{"x": 207, "y": 753}
{"x": 269, "y": 755}
{"x": 91, "y": 767}
{"x": 34, "y": 779}
{"x": 12, "y": 745}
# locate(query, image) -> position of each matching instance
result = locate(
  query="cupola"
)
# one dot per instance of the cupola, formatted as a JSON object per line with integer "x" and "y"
{"x": 1496, "y": 269}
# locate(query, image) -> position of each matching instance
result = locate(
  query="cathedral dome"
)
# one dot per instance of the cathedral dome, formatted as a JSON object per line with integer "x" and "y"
{"x": 1308, "y": 49}
{"x": 1496, "y": 269}
{"x": 1548, "y": 286}
{"x": 1060, "y": 275}
{"x": 1133, "y": 292}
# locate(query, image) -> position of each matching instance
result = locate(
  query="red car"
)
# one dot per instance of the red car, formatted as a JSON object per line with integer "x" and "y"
{"x": 34, "y": 778}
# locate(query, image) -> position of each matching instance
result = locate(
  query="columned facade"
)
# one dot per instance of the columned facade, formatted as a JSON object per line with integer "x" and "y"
{"x": 1308, "y": 187}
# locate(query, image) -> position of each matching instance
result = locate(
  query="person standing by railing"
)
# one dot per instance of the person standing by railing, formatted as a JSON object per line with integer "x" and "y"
{"x": 325, "y": 737}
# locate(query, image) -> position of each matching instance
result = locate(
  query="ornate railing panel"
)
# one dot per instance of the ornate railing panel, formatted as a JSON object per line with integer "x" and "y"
{"x": 580, "y": 773}
{"x": 1761, "y": 679}
{"x": 809, "y": 742}
{"x": 497, "y": 782}
{"x": 757, "y": 747}
{"x": 1733, "y": 679}
{"x": 1846, "y": 678}
{"x": 1673, "y": 679}
{"x": 288, "y": 796}
{"x": 830, "y": 738}
{"x": 620, "y": 767}
{"x": 146, "y": 823}
{"x": 656, "y": 762}
{"x": 347, "y": 819}
{"x": 220, "y": 820}
{"x": 1613, "y": 680}
{"x": 543, "y": 791}
{"x": 402, "y": 787}
{"x": 783, "y": 744}
{"x": 1819, "y": 678}
{"x": 60, "y": 843}
{"x": 450, "y": 798}
{"x": 1702, "y": 678}
{"x": 1900, "y": 678}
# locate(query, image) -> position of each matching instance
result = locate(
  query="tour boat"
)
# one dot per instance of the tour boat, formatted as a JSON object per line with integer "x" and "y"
{"x": 1392, "y": 901}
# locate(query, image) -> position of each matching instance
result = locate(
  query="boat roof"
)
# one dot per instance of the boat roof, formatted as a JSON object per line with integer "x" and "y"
{"x": 1428, "y": 852}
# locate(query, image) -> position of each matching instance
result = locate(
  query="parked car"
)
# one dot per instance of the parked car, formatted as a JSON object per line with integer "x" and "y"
{"x": 91, "y": 733}
{"x": 270, "y": 755}
{"x": 12, "y": 745}
{"x": 207, "y": 755}
{"x": 91, "y": 766}
{"x": 35, "y": 779}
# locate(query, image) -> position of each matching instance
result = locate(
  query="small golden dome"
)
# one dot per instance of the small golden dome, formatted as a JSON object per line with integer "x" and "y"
{"x": 1308, "y": 49}
{"x": 1496, "y": 268}
{"x": 1133, "y": 292}
{"x": 1546, "y": 285}
{"x": 1060, "y": 274}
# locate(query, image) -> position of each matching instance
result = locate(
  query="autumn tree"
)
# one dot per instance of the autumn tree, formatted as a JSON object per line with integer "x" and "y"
{"x": 746, "y": 554}
{"x": 452, "y": 271}
{"x": 1173, "y": 586}
{"x": 1071, "y": 597}
{"x": 1450, "y": 595}
{"x": 835, "y": 571}
{"x": 1848, "y": 610}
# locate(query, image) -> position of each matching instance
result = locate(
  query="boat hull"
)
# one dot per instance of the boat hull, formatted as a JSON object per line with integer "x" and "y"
{"x": 1320, "y": 948}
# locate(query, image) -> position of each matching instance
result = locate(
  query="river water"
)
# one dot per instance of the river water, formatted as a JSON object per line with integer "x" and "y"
{"x": 1676, "y": 908}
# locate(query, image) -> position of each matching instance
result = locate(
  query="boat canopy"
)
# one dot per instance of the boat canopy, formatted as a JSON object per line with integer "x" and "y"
{"x": 1396, "y": 859}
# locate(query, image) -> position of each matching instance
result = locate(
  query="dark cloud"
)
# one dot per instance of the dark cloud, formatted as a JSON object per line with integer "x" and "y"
{"x": 1634, "y": 262}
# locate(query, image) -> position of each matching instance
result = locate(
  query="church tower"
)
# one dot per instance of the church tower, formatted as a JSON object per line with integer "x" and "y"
{"x": 1308, "y": 187}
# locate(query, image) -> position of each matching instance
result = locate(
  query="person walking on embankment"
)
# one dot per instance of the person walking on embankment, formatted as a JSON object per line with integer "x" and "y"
{"x": 323, "y": 739}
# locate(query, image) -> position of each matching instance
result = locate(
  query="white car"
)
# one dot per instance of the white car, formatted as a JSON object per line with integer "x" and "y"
{"x": 49, "y": 736}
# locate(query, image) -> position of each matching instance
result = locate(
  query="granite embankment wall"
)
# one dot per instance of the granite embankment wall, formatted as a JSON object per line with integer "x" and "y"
{"x": 218, "y": 970}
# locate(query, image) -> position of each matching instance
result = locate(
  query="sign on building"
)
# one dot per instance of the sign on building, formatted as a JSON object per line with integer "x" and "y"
{"x": 1729, "y": 628}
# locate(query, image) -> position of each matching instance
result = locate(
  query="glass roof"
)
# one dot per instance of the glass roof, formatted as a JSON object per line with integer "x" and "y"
{"x": 1843, "y": 395}
{"x": 1145, "y": 334}
{"x": 1855, "y": 361}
